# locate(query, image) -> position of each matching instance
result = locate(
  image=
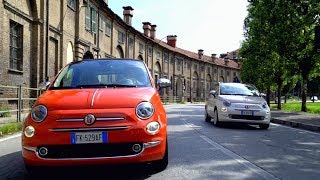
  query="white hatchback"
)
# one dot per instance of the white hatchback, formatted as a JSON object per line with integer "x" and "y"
{"x": 237, "y": 102}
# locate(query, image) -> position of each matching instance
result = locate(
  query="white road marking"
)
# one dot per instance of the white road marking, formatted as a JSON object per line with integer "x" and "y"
{"x": 10, "y": 137}
{"x": 254, "y": 168}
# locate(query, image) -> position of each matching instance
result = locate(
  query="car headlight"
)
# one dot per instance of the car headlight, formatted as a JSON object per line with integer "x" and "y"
{"x": 153, "y": 127}
{"x": 264, "y": 105}
{"x": 29, "y": 131}
{"x": 39, "y": 113}
{"x": 144, "y": 110}
{"x": 226, "y": 103}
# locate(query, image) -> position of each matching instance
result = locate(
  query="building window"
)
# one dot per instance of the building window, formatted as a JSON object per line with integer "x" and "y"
{"x": 108, "y": 27}
{"x": 234, "y": 74}
{"x": 221, "y": 72}
{"x": 16, "y": 31}
{"x": 91, "y": 15}
{"x": 158, "y": 54}
{"x": 101, "y": 22}
{"x": 179, "y": 64}
{"x": 185, "y": 63}
{"x": 208, "y": 69}
{"x": 202, "y": 68}
{"x": 131, "y": 41}
{"x": 189, "y": 64}
{"x": 172, "y": 60}
{"x": 121, "y": 37}
{"x": 72, "y": 4}
{"x": 140, "y": 48}
{"x": 215, "y": 71}
{"x": 166, "y": 57}
{"x": 149, "y": 51}
{"x": 228, "y": 73}
{"x": 196, "y": 67}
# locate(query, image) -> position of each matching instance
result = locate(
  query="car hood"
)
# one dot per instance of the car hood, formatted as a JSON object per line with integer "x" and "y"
{"x": 102, "y": 98}
{"x": 243, "y": 99}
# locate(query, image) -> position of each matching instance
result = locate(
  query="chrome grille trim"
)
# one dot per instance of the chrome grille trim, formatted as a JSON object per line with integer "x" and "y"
{"x": 98, "y": 119}
{"x": 110, "y": 119}
{"x": 145, "y": 146}
{"x": 69, "y": 120}
{"x": 89, "y": 129}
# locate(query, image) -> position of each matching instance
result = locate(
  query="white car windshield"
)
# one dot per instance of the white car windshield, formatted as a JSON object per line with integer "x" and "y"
{"x": 238, "y": 89}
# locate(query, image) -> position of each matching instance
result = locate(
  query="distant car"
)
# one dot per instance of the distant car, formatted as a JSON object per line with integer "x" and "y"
{"x": 314, "y": 98}
{"x": 237, "y": 102}
{"x": 99, "y": 111}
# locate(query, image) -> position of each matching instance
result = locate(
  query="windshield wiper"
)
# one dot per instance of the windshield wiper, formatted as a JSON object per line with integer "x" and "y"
{"x": 120, "y": 85}
{"x": 91, "y": 86}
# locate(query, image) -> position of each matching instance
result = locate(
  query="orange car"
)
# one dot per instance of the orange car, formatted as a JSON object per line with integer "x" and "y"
{"x": 98, "y": 112}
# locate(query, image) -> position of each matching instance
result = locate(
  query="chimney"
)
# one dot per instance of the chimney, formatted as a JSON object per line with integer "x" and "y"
{"x": 172, "y": 40}
{"x": 226, "y": 60}
{"x": 213, "y": 56}
{"x": 146, "y": 28}
{"x": 153, "y": 31}
{"x": 127, "y": 14}
{"x": 200, "y": 53}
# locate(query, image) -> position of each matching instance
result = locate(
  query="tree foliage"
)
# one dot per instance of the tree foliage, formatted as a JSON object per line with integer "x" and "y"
{"x": 278, "y": 47}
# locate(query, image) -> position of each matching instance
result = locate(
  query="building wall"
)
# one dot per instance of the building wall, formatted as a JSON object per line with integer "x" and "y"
{"x": 69, "y": 39}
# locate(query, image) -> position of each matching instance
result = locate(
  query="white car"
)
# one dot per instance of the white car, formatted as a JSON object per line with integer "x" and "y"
{"x": 314, "y": 98}
{"x": 237, "y": 102}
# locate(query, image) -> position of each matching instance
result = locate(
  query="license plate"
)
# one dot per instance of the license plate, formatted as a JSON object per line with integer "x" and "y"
{"x": 89, "y": 137}
{"x": 248, "y": 113}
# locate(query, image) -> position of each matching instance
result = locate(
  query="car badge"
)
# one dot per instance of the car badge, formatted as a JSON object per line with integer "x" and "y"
{"x": 89, "y": 119}
{"x": 247, "y": 106}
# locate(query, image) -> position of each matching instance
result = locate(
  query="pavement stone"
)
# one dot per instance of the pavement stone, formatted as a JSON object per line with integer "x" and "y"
{"x": 300, "y": 120}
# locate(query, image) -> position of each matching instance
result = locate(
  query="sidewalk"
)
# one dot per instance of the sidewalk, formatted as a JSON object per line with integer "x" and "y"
{"x": 300, "y": 120}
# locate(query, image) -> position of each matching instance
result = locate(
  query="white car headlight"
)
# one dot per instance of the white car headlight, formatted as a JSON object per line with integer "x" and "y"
{"x": 39, "y": 113}
{"x": 29, "y": 131}
{"x": 144, "y": 110}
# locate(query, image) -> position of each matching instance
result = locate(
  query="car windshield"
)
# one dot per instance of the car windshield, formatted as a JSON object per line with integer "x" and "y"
{"x": 103, "y": 74}
{"x": 238, "y": 89}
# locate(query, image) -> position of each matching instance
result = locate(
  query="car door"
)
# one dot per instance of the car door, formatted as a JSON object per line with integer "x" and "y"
{"x": 211, "y": 101}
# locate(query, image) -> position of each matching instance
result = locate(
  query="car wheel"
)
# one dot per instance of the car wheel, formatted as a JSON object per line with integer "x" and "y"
{"x": 216, "y": 121}
{"x": 161, "y": 164}
{"x": 207, "y": 117}
{"x": 264, "y": 126}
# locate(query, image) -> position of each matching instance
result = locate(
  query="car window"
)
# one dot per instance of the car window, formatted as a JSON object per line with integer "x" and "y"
{"x": 238, "y": 89}
{"x": 95, "y": 73}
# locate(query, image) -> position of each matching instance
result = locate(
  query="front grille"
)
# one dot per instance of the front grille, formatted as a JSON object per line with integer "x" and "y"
{"x": 246, "y": 117}
{"x": 90, "y": 150}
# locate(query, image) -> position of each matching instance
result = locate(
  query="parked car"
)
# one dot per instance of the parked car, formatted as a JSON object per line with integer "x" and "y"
{"x": 237, "y": 102}
{"x": 314, "y": 98}
{"x": 100, "y": 111}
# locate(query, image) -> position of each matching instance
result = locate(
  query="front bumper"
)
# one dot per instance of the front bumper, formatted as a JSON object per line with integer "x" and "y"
{"x": 235, "y": 115}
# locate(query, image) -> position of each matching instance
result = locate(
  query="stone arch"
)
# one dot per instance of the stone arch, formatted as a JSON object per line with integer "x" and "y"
{"x": 179, "y": 88}
{"x": 157, "y": 71}
{"x": 70, "y": 52}
{"x": 140, "y": 57}
{"x": 195, "y": 84}
{"x": 119, "y": 53}
{"x": 221, "y": 79}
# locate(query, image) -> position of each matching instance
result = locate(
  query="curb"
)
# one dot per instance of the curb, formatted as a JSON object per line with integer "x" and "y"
{"x": 297, "y": 125}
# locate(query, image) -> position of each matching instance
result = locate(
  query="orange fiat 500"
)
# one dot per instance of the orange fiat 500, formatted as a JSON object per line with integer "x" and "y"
{"x": 98, "y": 112}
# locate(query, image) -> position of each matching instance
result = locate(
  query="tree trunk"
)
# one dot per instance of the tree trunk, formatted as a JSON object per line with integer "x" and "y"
{"x": 304, "y": 94}
{"x": 268, "y": 95}
{"x": 279, "y": 96}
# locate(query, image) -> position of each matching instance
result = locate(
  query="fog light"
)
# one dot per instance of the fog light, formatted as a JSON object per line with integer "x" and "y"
{"x": 29, "y": 131}
{"x": 136, "y": 147}
{"x": 224, "y": 109}
{"x": 153, "y": 127}
{"x": 43, "y": 151}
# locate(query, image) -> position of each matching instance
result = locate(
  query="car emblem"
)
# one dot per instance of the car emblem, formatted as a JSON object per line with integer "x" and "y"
{"x": 89, "y": 119}
{"x": 247, "y": 106}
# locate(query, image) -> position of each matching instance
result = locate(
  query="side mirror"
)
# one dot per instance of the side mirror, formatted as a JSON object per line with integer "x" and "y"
{"x": 263, "y": 95}
{"x": 164, "y": 83}
{"x": 213, "y": 93}
{"x": 44, "y": 85}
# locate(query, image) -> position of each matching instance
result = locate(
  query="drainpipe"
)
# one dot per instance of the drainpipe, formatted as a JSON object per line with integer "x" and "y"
{"x": 47, "y": 40}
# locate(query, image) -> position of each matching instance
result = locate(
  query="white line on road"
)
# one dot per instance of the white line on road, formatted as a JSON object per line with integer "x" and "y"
{"x": 10, "y": 137}
{"x": 254, "y": 168}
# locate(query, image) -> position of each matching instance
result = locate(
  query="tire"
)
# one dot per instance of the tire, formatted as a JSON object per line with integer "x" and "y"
{"x": 264, "y": 126}
{"x": 160, "y": 165}
{"x": 216, "y": 121}
{"x": 207, "y": 117}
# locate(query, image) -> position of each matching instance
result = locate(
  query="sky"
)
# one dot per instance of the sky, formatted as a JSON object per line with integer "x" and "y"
{"x": 216, "y": 26}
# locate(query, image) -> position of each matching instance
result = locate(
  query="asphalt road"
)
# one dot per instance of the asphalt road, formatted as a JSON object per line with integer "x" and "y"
{"x": 199, "y": 150}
